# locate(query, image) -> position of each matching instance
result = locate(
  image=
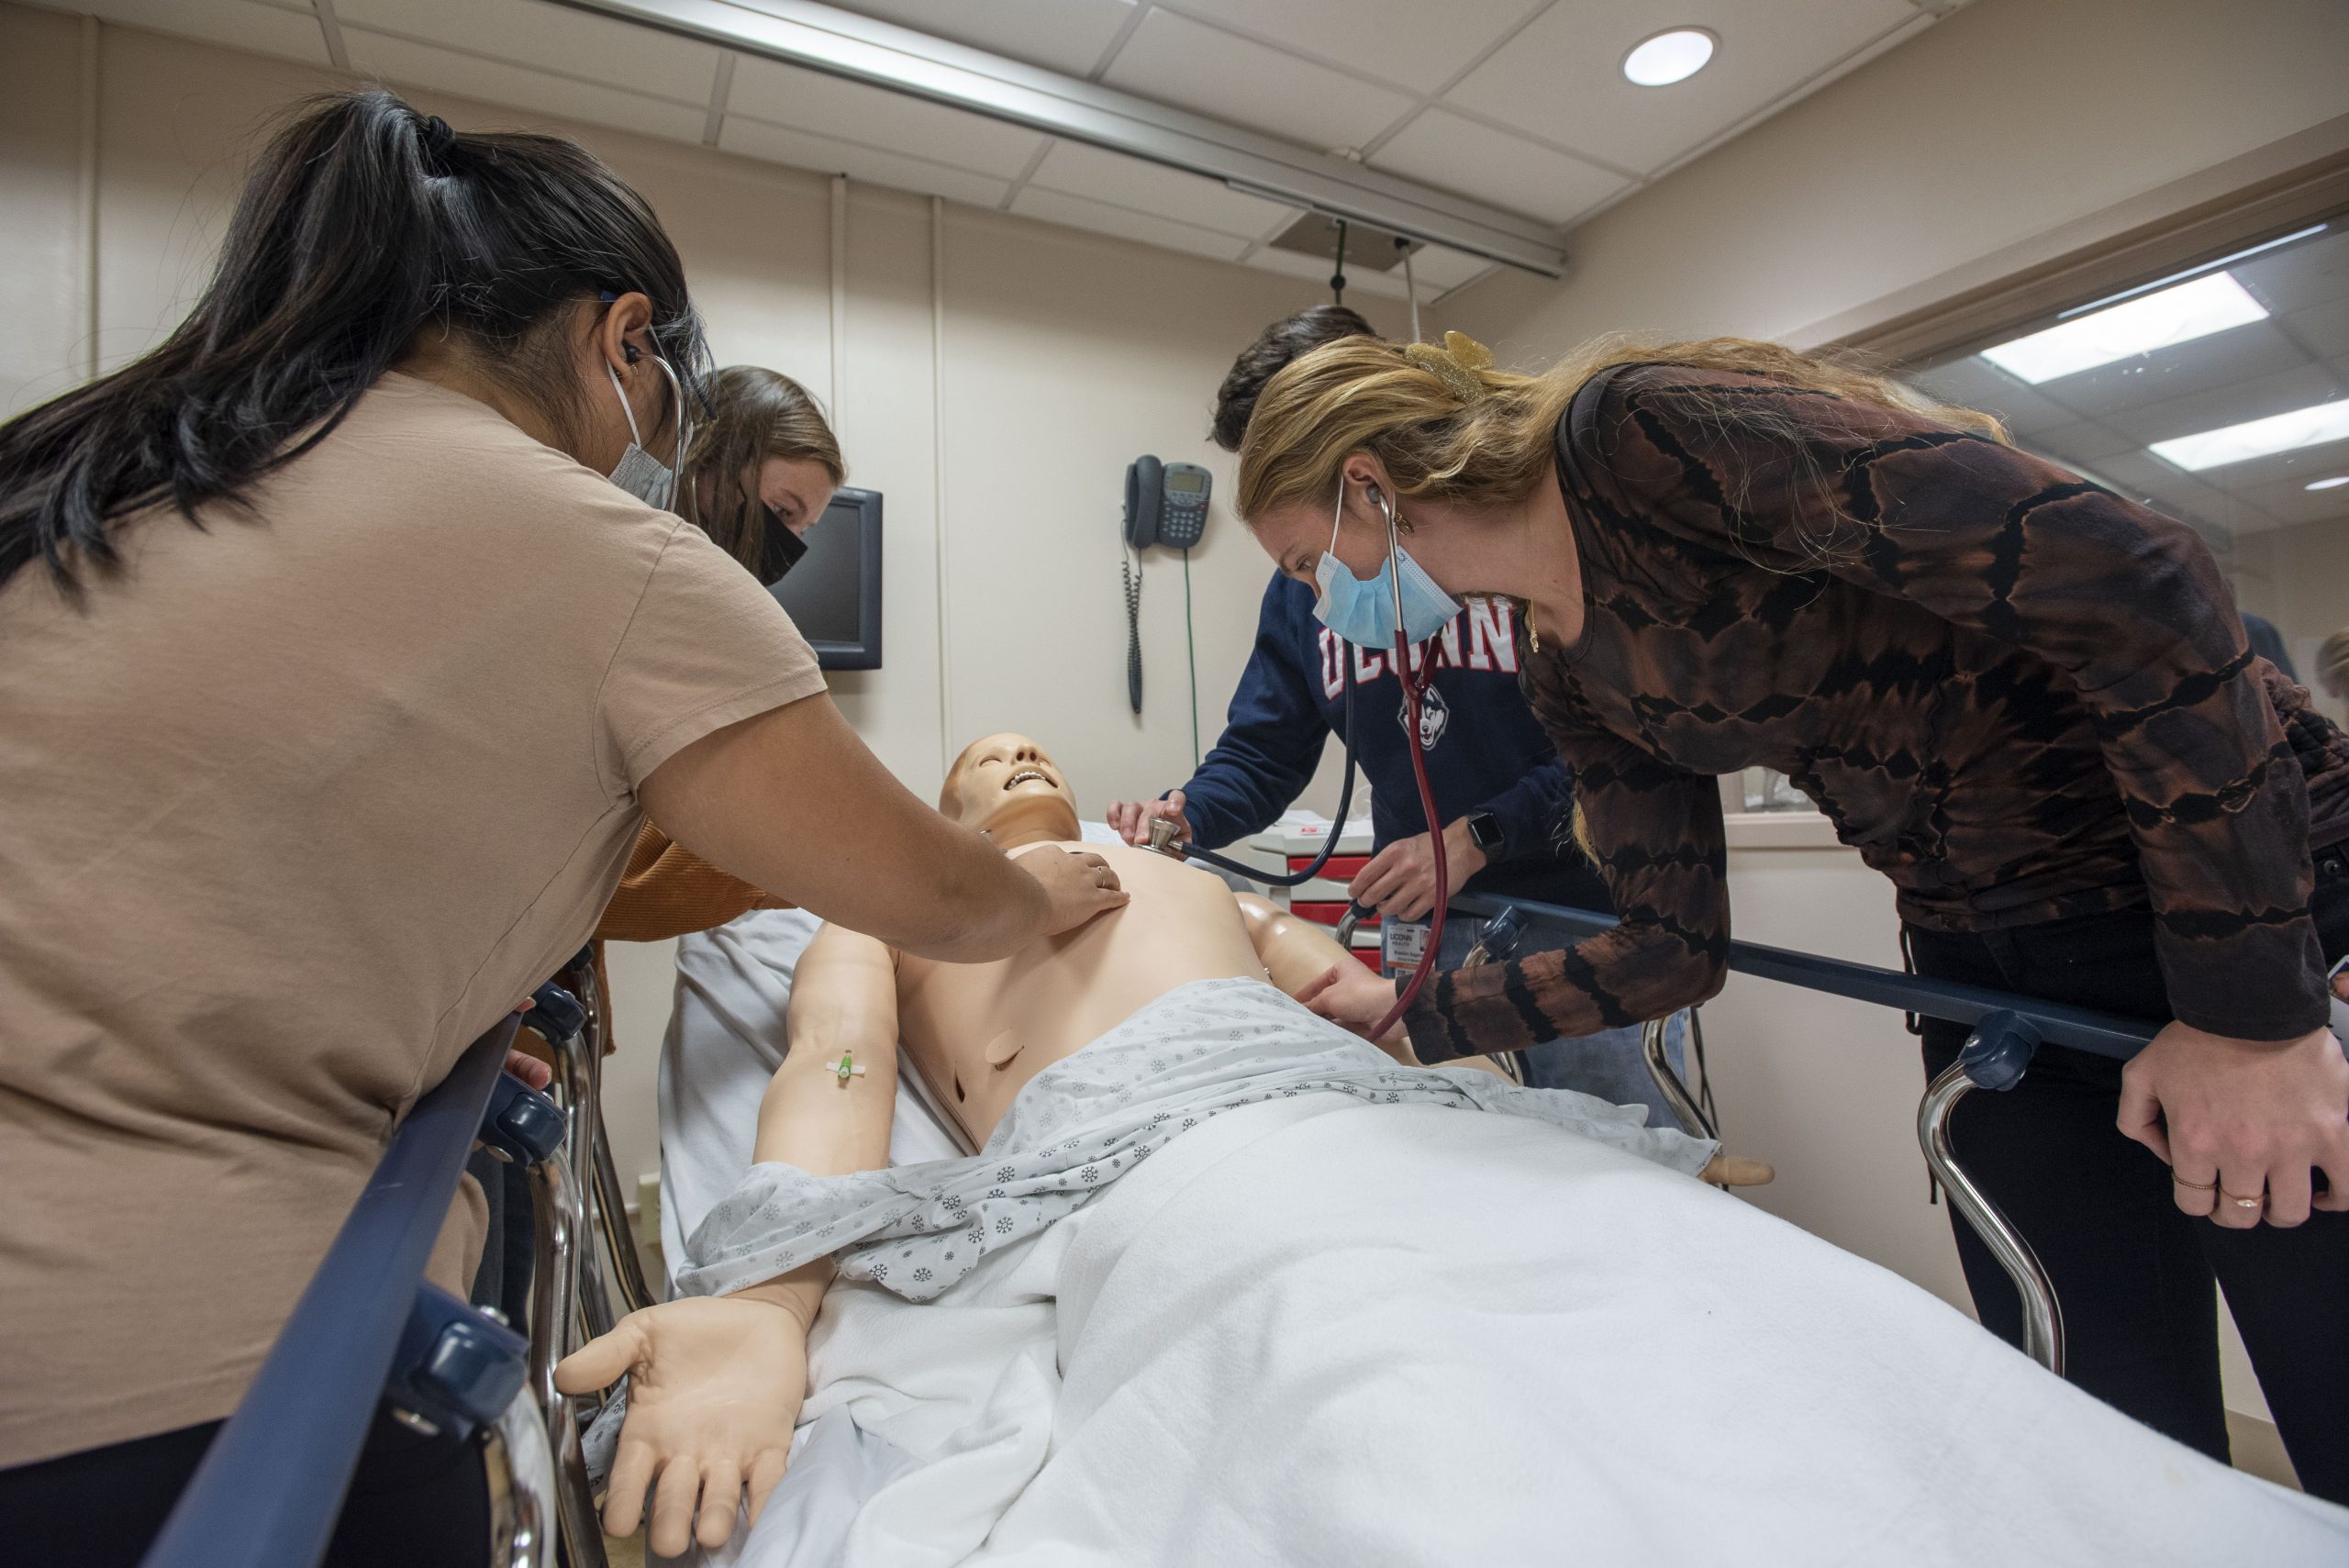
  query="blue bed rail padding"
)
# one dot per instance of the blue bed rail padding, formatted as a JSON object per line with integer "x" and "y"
{"x": 271, "y": 1486}
{"x": 2054, "y": 1023}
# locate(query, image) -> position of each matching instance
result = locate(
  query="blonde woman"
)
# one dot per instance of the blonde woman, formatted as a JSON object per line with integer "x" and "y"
{"x": 2025, "y": 700}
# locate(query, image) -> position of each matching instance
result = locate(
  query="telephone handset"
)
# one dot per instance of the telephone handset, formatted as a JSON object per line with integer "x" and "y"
{"x": 1166, "y": 504}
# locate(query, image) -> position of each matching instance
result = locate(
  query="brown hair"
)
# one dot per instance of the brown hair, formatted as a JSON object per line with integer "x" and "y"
{"x": 1471, "y": 435}
{"x": 1270, "y": 354}
{"x": 2333, "y": 663}
{"x": 754, "y": 415}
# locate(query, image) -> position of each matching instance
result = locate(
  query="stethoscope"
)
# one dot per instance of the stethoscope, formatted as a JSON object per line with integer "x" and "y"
{"x": 1415, "y": 683}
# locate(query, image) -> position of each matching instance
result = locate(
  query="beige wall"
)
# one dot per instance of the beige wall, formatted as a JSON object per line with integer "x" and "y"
{"x": 2009, "y": 119}
{"x": 1037, "y": 363}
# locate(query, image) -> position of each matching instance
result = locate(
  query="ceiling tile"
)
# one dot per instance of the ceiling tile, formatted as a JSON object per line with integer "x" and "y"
{"x": 874, "y": 116}
{"x": 2197, "y": 369}
{"x": 549, "y": 38}
{"x": 1067, "y": 35}
{"x": 495, "y": 83}
{"x": 2189, "y": 497}
{"x": 2292, "y": 277}
{"x": 240, "y": 24}
{"x": 1562, "y": 78}
{"x": 2251, "y": 397}
{"x": 1413, "y": 42}
{"x": 1973, "y": 382}
{"x": 830, "y": 155}
{"x": 2291, "y": 501}
{"x": 1209, "y": 71}
{"x": 1079, "y": 171}
{"x": 1076, "y": 212}
{"x": 2087, "y": 441}
{"x": 2323, "y": 327}
{"x": 1316, "y": 270}
{"x": 1438, "y": 268}
{"x": 1460, "y": 155}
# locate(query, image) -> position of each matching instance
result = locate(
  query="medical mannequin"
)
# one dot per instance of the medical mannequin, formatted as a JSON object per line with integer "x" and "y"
{"x": 717, "y": 1381}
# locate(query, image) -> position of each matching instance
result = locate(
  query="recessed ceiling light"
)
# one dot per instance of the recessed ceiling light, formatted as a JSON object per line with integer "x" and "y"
{"x": 2335, "y": 482}
{"x": 2258, "y": 437}
{"x": 2209, "y": 304}
{"x": 1669, "y": 57}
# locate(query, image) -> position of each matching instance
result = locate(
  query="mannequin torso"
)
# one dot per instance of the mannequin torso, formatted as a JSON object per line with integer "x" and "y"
{"x": 978, "y": 1032}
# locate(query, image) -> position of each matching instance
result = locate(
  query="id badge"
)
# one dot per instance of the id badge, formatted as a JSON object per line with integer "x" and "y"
{"x": 1401, "y": 942}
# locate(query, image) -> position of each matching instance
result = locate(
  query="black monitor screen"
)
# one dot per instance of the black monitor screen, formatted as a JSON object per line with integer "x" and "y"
{"x": 834, "y": 594}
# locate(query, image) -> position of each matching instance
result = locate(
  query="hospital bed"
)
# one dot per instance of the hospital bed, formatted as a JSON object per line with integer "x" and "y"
{"x": 369, "y": 1331}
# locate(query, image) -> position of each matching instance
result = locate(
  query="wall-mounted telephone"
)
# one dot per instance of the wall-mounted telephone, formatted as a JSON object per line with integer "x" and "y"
{"x": 1166, "y": 504}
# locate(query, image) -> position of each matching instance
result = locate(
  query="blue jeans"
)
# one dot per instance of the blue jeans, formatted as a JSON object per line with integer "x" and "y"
{"x": 1607, "y": 1064}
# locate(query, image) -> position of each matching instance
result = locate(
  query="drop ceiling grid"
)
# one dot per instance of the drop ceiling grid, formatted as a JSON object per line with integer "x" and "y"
{"x": 2103, "y": 420}
{"x": 1417, "y": 65}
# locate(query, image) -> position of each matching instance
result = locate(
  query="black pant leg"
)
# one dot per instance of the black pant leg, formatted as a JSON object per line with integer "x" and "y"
{"x": 2139, "y": 1310}
{"x": 100, "y": 1508}
{"x": 413, "y": 1502}
{"x": 2289, "y": 1291}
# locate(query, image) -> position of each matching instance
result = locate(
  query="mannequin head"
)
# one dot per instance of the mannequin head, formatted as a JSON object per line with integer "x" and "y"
{"x": 1009, "y": 787}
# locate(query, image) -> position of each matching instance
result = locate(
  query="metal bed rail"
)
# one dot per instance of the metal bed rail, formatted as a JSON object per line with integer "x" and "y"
{"x": 2007, "y": 1031}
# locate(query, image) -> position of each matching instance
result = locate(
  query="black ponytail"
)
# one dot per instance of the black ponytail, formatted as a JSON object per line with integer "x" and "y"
{"x": 362, "y": 224}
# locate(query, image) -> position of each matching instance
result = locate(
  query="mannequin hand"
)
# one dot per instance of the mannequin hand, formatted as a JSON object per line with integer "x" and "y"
{"x": 1132, "y": 818}
{"x": 1400, "y": 880}
{"x": 715, "y": 1385}
{"x": 1079, "y": 885}
{"x": 2251, "y": 1116}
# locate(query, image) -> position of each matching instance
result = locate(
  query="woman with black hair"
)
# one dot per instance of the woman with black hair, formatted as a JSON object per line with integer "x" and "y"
{"x": 344, "y": 644}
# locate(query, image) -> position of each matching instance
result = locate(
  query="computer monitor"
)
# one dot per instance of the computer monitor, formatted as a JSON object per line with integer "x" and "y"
{"x": 834, "y": 594}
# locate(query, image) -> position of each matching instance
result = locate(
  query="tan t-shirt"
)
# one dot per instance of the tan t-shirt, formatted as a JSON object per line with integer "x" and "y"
{"x": 290, "y": 812}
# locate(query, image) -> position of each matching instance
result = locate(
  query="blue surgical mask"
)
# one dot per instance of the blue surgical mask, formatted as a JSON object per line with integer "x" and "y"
{"x": 638, "y": 473}
{"x": 1362, "y": 610}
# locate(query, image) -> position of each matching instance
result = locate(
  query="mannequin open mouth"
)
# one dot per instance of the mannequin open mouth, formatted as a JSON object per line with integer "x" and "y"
{"x": 1027, "y": 775}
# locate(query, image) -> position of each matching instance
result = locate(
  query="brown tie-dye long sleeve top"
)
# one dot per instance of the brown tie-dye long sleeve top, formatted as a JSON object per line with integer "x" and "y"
{"x": 2019, "y": 695}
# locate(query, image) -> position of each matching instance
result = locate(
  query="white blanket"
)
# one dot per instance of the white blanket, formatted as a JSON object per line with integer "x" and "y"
{"x": 1320, "y": 1332}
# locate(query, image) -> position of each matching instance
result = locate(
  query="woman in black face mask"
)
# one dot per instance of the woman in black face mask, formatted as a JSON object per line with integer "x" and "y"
{"x": 761, "y": 469}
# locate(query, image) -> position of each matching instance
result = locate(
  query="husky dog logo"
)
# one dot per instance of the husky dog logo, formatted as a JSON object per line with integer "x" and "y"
{"x": 1435, "y": 717}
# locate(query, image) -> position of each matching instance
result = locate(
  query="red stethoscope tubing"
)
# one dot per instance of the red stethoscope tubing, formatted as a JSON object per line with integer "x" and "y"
{"x": 1415, "y": 683}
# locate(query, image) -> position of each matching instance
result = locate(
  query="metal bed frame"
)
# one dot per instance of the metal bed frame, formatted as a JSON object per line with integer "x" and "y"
{"x": 2007, "y": 1031}
{"x": 369, "y": 1331}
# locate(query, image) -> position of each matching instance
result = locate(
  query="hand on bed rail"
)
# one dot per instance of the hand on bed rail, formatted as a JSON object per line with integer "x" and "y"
{"x": 715, "y": 1386}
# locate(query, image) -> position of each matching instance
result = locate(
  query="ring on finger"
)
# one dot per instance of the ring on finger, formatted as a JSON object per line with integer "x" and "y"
{"x": 2241, "y": 1202}
{"x": 2179, "y": 1181}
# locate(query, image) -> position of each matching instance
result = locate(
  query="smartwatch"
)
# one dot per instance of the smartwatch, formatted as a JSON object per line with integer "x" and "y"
{"x": 1484, "y": 831}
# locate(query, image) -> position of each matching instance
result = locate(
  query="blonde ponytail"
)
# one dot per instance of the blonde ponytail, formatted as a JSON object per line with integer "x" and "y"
{"x": 1450, "y": 426}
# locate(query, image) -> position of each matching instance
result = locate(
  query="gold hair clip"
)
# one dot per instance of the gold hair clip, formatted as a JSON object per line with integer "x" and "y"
{"x": 1455, "y": 365}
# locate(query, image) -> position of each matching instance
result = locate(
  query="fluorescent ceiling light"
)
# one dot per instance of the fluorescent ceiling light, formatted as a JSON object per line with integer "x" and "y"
{"x": 2258, "y": 437}
{"x": 1668, "y": 57}
{"x": 2335, "y": 482}
{"x": 2209, "y": 304}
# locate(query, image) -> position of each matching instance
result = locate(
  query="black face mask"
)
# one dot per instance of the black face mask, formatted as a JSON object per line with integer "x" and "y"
{"x": 784, "y": 550}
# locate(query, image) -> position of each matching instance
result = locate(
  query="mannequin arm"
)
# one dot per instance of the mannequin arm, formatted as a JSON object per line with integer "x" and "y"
{"x": 1295, "y": 953}
{"x": 715, "y": 1383}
